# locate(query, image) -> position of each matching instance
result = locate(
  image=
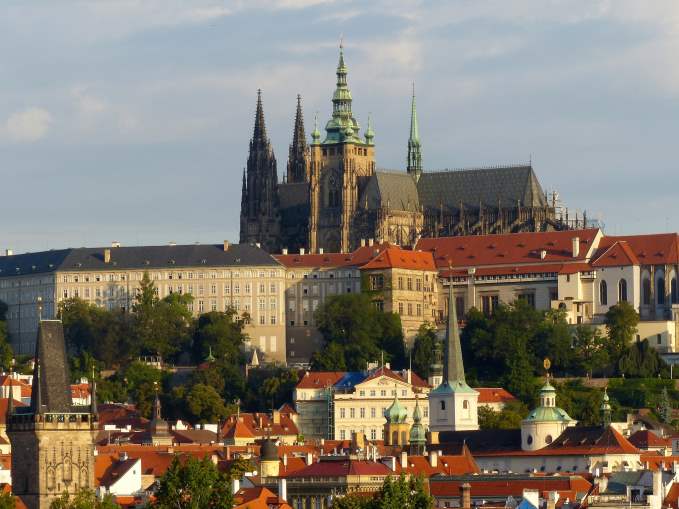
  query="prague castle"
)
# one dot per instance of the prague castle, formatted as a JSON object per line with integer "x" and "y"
{"x": 333, "y": 196}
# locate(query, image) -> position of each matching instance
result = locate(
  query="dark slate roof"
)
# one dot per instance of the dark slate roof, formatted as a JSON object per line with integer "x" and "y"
{"x": 508, "y": 184}
{"x": 54, "y": 377}
{"x": 397, "y": 189}
{"x": 135, "y": 257}
{"x": 293, "y": 194}
{"x": 478, "y": 441}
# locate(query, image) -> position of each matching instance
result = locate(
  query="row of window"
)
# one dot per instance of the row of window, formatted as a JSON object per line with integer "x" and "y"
{"x": 156, "y": 276}
{"x": 362, "y": 412}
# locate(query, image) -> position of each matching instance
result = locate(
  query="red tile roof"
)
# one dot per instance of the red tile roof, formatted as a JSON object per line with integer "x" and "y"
{"x": 342, "y": 467}
{"x": 397, "y": 258}
{"x": 643, "y": 439}
{"x": 357, "y": 258}
{"x": 259, "y": 424}
{"x": 617, "y": 255}
{"x": 567, "y": 487}
{"x": 258, "y": 497}
{"x": 513, "y": 248}
{"x": 672, "y": 497}
{"x": 320, "y": 379}
{"x": 659, "y": 248}
{"x": 494, "y": 395}
{"x": 4, "y": 403}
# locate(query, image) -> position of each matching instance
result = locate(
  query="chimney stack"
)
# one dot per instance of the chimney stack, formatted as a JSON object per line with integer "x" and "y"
{"x": 362, "y": 242}
{"x": 301, "y": 250}
{"x": 433, "y": 459}
{"x": 552, "y": 499}
{"x": 543, "y": 254}
{"x": 107, "y": 256}
{"x": 283, "y": 488}
{"x": 320, "y": 250}
{"x": 235, "y": 486}
{"x": 276, "y": 417}
{"x": 115, "y": 243}
{"x": 466, "y": 496}
{"x": 309, "y": 458}
{"x": 226, "y": 246}
{"x": 404, "y": 459}
{"x": 576, "y": 247}
{"x": 285, "y": 250}
{"x": 371, "y": 242}
{"x": 9, "y": 252}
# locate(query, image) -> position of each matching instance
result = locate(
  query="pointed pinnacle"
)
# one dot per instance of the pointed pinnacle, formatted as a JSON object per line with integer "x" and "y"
{"x": 260, "y": 127}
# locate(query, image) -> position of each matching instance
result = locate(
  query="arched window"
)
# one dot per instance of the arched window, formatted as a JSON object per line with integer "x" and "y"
{"x": 465, "y": 404}
{"x": 660, "y": 291}
{"x": 674, "y": 291}
{"x": 529, "y": 439}
{"x": 603, "y": 293}
{"x": 622, "y": 290}
{"x": 443, "y": 405}
{"x": 646, "y": 292}
{"x": 548, "y": 439}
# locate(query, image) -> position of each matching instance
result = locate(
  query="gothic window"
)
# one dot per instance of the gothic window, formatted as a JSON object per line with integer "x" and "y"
{"x": 674, "y": 291}
{"x": 622, "y": 290}
{"x": 660, "y": 291}
{"x": 646, "y": 290}
{"x": 603, "y": 293}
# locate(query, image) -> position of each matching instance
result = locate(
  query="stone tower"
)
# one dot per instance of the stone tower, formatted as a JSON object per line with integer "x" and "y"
{"x": 298, "y": 157}
{"x": 341, "y": 166}
{"x": 414, "y": 167}
{"x": 453, "y": 405}
{"x": 52, "y": 440}
{"x": 259, "y": 215}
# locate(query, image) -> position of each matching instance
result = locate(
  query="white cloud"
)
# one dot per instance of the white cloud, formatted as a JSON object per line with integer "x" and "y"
{"x": 29, "y": 125}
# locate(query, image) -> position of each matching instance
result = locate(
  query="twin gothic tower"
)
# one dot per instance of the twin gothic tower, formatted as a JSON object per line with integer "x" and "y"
{"x": 314, "y": 207}
{"x": 332, "y": 196}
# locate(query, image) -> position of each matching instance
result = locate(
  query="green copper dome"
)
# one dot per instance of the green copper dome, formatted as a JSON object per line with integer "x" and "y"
{"x": 396, "y": 413}
{"x": 417, "y": 433}
{"x": 545, "y": 413}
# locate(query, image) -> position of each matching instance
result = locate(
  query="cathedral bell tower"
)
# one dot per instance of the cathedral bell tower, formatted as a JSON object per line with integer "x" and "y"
{"x": 340, "y": 167}
{"x": 52, "y": 440}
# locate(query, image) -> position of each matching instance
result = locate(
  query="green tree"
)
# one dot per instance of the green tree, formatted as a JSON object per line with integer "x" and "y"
{"x": 194, "y": 484}
{"x": 206, "y": 405}
{"x": 7, "y": 501}
{"x": 590, "y": 350}
{"x": 84, "y": 499}
{"x": 363, "y": 332}
{"x": 642, "y": 361}
{"x": 423, "y": 350}
{"x": 330, "y": 358}
{"x": 396, "y": 493}
{"x": 665, "y": 406}
{"x": 509, "y": 417}
{"x": 621, "y": 324}
{"x": 220, "y": 333}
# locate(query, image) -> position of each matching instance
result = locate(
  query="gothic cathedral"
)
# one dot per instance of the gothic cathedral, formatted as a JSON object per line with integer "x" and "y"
{"x": 332, "y": 195}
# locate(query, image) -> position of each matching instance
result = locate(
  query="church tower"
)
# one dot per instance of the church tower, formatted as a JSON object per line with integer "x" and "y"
{"x": 298, "y": 157}
{"x": 52, "y": 440}
{"x": 341, "y": 165}
{"x": 453, "y": 405}
{"x": 259, "y": 215}
{"x": 414, "y": 167}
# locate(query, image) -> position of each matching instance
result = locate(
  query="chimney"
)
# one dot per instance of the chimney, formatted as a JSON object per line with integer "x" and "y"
{"x": 283, "y": 488}
{"x": 235, "y": 486}
{"x": 123, "y": 456}
{"x": 301, "y": 250}
{"x": 320, "y": 250}
{"x": 285, "y": 250}
{"x": 276, "y": 417}
{"x": 226, "y": 246}
{"x": 657, "y": 483}
{"x": 532, "y": 497}
{"x": 543, "y": 254}
{"x": 552, "y": 499}
{"x": 115, "y": 244}
{"x": 309, "y": 458}
{"x": 285, "y": 459}
{"x": 404, "y": 459}
{"x": 371, "y": 242}
{"x": 258, "y": 244}
{"x": 576, "y": 247}
{"x": 466, "y": 496}
{"x": 107, "y": 256}
{"x": 9, "y": 252}
{"x": 362, "y": 242}
{"x": 390, "y": 462}
{"x": 433, "y": 459}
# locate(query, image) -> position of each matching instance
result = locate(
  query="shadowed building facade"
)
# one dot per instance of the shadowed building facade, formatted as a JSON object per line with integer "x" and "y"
{"x": 333, "y": 196}
{"x": 52, "y": 440}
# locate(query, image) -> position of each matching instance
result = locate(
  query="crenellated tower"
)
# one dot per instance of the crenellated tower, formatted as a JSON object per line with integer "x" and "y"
{"x": 340, "y": 168}
{"x": 260, "y": 217}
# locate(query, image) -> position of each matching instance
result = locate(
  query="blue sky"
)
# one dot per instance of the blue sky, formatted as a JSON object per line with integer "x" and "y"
{"x": 129, "y": 120}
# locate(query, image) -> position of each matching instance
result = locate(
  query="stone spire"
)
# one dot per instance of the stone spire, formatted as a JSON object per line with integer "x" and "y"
{"x": 259, "y": 132}
{"x": 414, "y": 167}
{"x": 51, "y": 377}
{"x": 297, "y": 158}
{"x": 418, "y": 436}
{"x": 453, "y": 367}
{"x": 606, "y": 410}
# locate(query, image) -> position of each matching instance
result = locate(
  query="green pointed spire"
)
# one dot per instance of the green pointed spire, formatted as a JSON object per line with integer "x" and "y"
{"x": 417, "y": 436}
{"x": 316, "y": 134}
{"x": 342, "y": 127}
{"x": 370, "y": 133}
{"x": 606, "y": 409}
{"x": 414, "y": 146}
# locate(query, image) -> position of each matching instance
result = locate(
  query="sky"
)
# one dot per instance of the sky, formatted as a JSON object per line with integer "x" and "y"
{"x": 129, "y": 120}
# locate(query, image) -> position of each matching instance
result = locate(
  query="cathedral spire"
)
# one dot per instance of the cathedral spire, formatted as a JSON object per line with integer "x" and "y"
{"x": 342, "y": 127}
{"x": 298, "y": 149}
{"x": 414, "y": 146}
{"x": 453, "y": 367}
{"x": 259, "y": 133}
